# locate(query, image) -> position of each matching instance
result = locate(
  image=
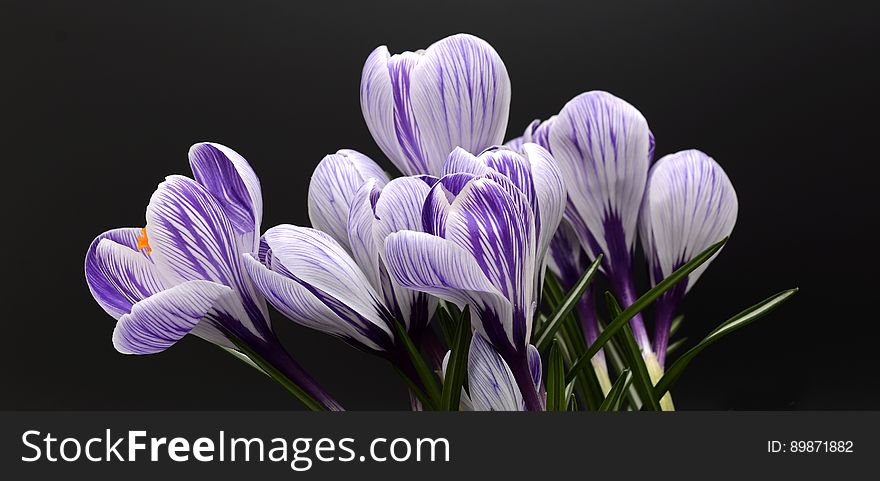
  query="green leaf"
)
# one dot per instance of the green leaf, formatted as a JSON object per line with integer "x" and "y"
{"x": 556, "y": 400}
{"x": 279, "y": 377}
{"x": 676, "y": 323}
{"x": 675, "y": 346}
{"x": 640, "y": 304}
{"x": 633, "y": 355}
{"x": 742, "y": 319}
{"x": 425, "y": 374}
{"x": 566, "y": 306}
{"x": 456, "y": 369}
{"x": 448, "y": 323}
{"x": 615, "y": 395}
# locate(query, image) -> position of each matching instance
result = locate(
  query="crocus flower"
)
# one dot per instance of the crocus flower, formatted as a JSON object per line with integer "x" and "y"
{"x": 689, "y": 205}
{"x": 486, "y": 235}
{"x": 341, "y": 286}
{"x": 420, "y": 105}
{"x": 491, "y": 385}
{"x": 604, "y": 148}
{"x": 183, "y": 272}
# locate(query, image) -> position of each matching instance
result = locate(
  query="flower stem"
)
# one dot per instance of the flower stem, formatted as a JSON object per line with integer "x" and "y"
{"x": 522, "y": 374}
{"x": 271, "y": 357}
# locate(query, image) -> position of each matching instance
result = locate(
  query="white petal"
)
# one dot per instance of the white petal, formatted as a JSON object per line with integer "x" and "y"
{"x": 490, "y": 380}
{"x": 689, "y": 205}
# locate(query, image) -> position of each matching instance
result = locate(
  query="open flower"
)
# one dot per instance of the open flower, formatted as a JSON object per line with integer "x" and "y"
{"x": 421, "y": 105}
{"x": 484, "y": 245}
{"x": 603, "y": 147}
{"x": 689, "y": 205}
{"x": 182, "y": 273}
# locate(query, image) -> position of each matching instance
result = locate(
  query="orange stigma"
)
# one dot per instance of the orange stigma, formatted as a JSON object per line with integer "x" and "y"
{"x": 144, "y": 242}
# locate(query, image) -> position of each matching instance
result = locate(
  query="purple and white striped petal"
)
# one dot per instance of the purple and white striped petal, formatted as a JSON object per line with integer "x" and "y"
{"x": 436, "y": 208}
{"x": 332, "y": 189}
{"x": 533, "y": 171}
{"x": 492, "y": 220}
{"x": 232, "y": 181}
{"x": 491, "y": 384}
{"x": 157, "y": 322}
{"x": 689, "y": 205}
{"x": 539, "y": 132}
{"x": 431, "y": 264}
{"x": 420, "y": 105}
{"x": 603, "y": 148}
{"x": 298, "y": 303}
{"x": 376, "y": 213}
{"x": 118, "y": 274}
{"x": 514, "y": 143}
{"x": 192, "y": 239}
{"x": 313, "y": 273}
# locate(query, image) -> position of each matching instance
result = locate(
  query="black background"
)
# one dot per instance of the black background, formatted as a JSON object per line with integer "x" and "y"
{"x": 100, "y": 100}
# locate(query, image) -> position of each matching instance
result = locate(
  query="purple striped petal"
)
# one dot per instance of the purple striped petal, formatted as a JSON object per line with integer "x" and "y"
{"x": 192, "y": 239}
{"x": 308, "y": 261}
{"x": 533, "y": 171}
{"x": 332, "y": 189}
{"x": 535, "y": 364}
{"x": 230, "y": 179}
{"x": 431, "y": 264}
{"x": 492, "y": 221}
{"x": 514, "y": 143}
{"x": 689, "y": 205}
{"x": 297, "y": 302}
{"x": 490, "y": 380}
{"x": 118, "y": 274}
{"x": 157, "y": 322}
{"x": 419, "y": 106}
{"x": 436, "y": 208}
{"x": 539, "y": 132}
{"x": 398, "y": 208}
{"x": 361, "y": 224}
{"x": 603, "y": 148}
{"x": 377, "y": 213}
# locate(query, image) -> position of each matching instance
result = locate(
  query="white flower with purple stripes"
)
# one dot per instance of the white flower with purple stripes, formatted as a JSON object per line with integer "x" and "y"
{"x": 421, "y": 105}
{"x": 487, "y": 228}
{"x": 689, "y": 205}
{"x": 183, "y": 272}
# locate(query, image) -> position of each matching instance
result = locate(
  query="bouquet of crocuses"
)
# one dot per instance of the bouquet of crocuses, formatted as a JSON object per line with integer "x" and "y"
{"x": 474, "y": 274}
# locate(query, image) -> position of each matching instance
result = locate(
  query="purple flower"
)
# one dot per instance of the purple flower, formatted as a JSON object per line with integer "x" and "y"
{"x": 421, "y": 105}
{"x": 689, "y": 205}
{"x": 604, "y": 148}
{"x": 334, "y": 279}
{"x": 487, "y": 229}
{"x": 183, "y": 272}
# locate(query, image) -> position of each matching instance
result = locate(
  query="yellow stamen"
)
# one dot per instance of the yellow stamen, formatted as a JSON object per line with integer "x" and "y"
{"x": 144, "y": 242}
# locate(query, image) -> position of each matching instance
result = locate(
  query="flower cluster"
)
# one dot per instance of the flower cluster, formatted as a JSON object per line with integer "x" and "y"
{"x": 471, "y": 227}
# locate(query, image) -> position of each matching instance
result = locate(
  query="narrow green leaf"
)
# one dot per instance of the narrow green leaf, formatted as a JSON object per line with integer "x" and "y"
{"x": 675, "y": 324}
{"x": 425, "y": 374}
{"x": 278, "y": 376}
{"x": 566, "y": 306}
{"x": 556, "y": 400}
{"x": 456, "y": 369}
{"x": 633, "y": 355}
{"x": 448, "y": 323}
{"x": 675, "y": 346}
{"x": 742, "y": 319}
{"x": 615, "y": 395}
{"x": 640, "y": 304}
